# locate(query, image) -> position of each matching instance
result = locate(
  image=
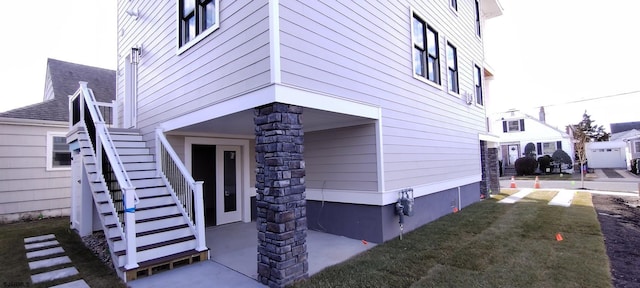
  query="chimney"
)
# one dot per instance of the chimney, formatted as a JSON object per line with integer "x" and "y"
{"x": 542, "y": 116}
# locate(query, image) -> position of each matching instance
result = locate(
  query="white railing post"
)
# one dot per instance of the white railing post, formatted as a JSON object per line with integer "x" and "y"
{"x": 158, "y": 151}
{"x": 130, "y": 228}
{"x": 199, "y": 207}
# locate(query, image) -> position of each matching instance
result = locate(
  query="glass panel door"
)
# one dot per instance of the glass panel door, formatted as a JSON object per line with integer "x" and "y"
{"x": 228, "y": 190}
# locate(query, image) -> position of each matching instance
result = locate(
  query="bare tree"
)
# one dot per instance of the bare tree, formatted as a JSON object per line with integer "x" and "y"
{"x": 580, "y": 139}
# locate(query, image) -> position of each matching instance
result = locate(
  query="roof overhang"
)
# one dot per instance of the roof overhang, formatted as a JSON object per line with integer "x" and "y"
{"x": 491, "y": 8}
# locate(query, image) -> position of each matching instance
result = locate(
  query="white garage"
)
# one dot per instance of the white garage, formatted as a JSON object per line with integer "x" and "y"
{"x": 606, "y": 154}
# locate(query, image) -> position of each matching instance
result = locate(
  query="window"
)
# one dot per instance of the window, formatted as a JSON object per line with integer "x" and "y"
{"x": 58, "y": 154}
{"x": 512, "y": 125}
{"x": 197, "y": 18}
{"x": 452, "y": 64}
{"x": 426, "y": 62}
{"x": 454, "y": 4}
{"x": 477, "y": 80}
{"x": 548, "y": 148}
{"x": 478, "y": 31}
{"x": 637, "y": 144}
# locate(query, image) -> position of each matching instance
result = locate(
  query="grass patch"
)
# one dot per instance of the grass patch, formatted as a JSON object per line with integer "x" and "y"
{"x": 15, "y": 267}
{"x": 487, "y": 245}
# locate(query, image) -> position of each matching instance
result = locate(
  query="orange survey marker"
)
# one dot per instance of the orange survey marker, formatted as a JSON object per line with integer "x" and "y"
{"x": 455, "y": 209}
{"x": 513, "y": 182}
{"x": 536, "y": 184}
{"x": 559, "y": 237}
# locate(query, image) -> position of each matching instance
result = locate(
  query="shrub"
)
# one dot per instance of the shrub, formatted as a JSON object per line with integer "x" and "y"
{"x": 530, "y": 150}
{"x": 526, "y": 166}
{"x": 544, "y": 163}
{"x": 561, "y": 157}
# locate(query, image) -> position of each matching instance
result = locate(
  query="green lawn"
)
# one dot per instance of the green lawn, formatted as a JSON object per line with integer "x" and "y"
{"x": 487, "y": 245}
{"x": 15, "y": 268}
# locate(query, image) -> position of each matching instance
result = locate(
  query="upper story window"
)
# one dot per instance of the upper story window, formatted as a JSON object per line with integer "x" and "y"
{"x": 452, "y": 65}
{"x": 58, "y": 154}
{"x": 637, "y": 144}
{"x": 477, "y": 80}
{"x": 197, "y": 18}
{"x": 453, "y": 4}
{"x": 513, "y": 125}
{"x": 426, "y": 62}
{"x": 477, "y": 5}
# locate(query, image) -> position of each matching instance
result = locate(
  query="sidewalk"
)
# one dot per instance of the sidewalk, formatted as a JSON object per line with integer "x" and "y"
{"x": 605, "y": 185}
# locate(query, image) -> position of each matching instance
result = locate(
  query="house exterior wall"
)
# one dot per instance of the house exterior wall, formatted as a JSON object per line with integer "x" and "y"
{"x": 229, "y": 62}
{"x": 363, "y": 52}
{"x": 27, "y": 188}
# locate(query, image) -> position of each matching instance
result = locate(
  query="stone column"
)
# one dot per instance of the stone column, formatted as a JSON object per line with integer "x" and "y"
{"x": 484, "y": 190}
{"x": 494, "y": 171}
{"x": 280, "y": 200}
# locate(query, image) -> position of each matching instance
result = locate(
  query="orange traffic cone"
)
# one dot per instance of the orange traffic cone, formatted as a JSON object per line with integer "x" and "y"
{"x": 536, "y": 184}
{"x": 559, "y": 237}
{"x": 513, "y": 182}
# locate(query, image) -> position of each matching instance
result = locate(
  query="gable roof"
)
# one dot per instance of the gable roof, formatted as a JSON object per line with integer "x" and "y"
{"x": 625, "y": 135}
{"x": 625, "y": 126}
{"x": 517, "y": 114}
{"x": 64, "y": 78}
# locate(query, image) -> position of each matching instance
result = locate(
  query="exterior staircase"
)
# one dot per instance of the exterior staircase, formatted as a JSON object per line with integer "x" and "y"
{"x": 164, "y": 235}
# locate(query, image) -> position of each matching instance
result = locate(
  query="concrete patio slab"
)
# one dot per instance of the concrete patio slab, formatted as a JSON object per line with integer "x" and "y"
{"x": 516, "y": 197}
{"x": 41, "y": 245}
{"x": 39, "y": 238}
{"x": 563, "y": 198}
{"x": 49, "y": 262}
{"x": 45, "y": 252}
{"x": 74, "y": 284}
{"x": 54, "y": 275}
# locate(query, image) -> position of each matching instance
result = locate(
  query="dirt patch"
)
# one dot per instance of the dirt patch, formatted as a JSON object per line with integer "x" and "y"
{"x": 620, "y": 223}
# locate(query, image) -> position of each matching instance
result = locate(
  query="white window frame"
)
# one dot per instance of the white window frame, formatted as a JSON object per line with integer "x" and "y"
{"x": 553, "y": 144}
{"x": 424, "y": 79}
{"x": 49, "y": 153}
{"x": 509, "y": 127}
{"x": 199, "y": 37}
{"x": 454, "y": 8}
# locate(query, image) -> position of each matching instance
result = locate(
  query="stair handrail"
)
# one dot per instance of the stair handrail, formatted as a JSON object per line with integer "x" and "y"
{"x": 130, "y": 197}
{"x": 195, "y": 187}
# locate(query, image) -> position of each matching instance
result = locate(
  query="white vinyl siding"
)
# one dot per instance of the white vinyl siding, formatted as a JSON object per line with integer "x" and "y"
{"x": 341, "y": 159}
{"x": 27, "y": 187}
{"x": 362, "y": 51}
{"x": 228, "y": 63}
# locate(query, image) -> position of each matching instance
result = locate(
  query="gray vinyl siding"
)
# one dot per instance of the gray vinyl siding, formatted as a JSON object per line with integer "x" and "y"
{"x": 229, "y": 62}
{"x": 363, "y": 51}
{"x": 342, "y": 159}
{"x": 27, "y": 189}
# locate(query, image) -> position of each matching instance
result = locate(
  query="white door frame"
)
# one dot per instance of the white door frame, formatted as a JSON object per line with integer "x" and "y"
{"x": 244, "y": 189}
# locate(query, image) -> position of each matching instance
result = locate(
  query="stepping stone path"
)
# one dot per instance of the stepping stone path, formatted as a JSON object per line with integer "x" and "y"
{"x": 47, "y": 250}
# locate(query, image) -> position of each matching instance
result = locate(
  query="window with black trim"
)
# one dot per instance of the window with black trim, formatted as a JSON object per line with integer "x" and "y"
{"x": 637, "y": 144}
{"x": 426, "y": 60}
{"x": 454, "y": 4}
{"x": 477, "y": 80}
{"x": 512, "y": 125}
{"x": 478, "y": 32}
{"x": 197, "y": 17}
{"x": 452, "y": 66}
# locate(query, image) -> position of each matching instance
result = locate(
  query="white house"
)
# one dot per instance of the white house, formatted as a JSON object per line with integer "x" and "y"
{"x": 519, "y": 129}
{"x": 35, "y": 162}
{"x": 294, "y": 114}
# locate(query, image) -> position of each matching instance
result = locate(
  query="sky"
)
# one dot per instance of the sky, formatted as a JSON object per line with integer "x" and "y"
{"x": 555, "y": 53}
{"x": 78, "y": 31}
{"x": 548, "y": 53}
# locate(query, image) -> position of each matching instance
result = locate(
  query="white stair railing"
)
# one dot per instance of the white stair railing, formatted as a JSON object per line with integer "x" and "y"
{"x": 84, "y": 101}
{"x": 182, "y": 186}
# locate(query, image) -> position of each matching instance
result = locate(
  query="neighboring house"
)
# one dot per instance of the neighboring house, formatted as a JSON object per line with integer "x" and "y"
{"x": 34, "y": 156}
{"x": 627, "y": 135}
{"x": 295, "y": 114}
{"x": 520, "y": 129}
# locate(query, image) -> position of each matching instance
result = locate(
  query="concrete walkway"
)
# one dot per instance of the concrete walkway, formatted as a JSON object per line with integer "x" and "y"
{"x": 44, "y": 251}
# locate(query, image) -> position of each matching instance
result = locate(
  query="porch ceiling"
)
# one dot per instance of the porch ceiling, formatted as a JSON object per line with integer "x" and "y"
{"x": 241, "y": 123}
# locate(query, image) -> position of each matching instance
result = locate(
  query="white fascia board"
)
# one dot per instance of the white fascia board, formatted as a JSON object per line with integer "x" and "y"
{"x": 387, "y": 197}
{"x": 315, "y": 100}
